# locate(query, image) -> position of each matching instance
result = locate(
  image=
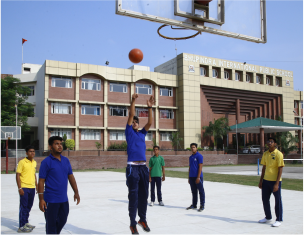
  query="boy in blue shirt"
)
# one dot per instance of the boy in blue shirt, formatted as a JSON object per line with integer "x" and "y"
{"x": 55, "y": 172}
{"x": 137, "y": 172}
{"x": 196, "y": 178}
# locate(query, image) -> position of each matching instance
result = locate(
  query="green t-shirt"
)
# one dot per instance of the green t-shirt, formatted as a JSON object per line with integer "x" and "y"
{"x": 156, "y": 164}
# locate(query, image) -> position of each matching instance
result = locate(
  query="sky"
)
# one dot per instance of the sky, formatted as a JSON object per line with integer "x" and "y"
{"x": 90, "y": 32}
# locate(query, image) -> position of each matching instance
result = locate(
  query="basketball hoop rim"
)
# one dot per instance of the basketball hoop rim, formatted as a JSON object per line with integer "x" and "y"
{"x": 181, "y": 38}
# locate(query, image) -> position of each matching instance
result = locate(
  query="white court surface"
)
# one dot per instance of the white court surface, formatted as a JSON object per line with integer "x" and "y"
{"x": 229, "y": 208}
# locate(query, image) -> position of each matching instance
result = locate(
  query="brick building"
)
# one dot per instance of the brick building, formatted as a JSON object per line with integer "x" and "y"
{"x": 90, "y": 103}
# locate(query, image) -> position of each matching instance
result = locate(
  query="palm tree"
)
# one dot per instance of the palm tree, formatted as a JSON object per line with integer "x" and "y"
{"x": 217, "y": 129}
{"x": 287, "y": 143}
{"x": 175, "y": 139}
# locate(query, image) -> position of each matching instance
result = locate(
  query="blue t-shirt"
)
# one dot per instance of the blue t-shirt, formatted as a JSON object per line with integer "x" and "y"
{"x": 56, "y": 174}
{"x": 194, "y": 160}
{"x": 136, "y": 144}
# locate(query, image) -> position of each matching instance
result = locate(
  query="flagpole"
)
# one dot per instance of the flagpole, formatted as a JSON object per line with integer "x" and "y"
{"x": 22, "y": 55}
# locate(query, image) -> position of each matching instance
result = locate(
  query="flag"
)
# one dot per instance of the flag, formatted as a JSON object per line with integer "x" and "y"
{"x": 23, "y": 40}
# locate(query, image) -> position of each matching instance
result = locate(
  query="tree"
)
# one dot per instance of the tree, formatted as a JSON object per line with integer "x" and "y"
{"x": 287, "y": 143}
{"x": 217, "y": 129}
{"x": 154, "y": 143}
{"x": 12, "y": 92}
{"x": 175, "y": 139}
{"x": 70, "y": 144}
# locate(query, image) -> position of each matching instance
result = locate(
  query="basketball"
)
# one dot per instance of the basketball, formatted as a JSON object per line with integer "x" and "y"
{"x": 202, "y": 2}
{"x": 136, "y": 55}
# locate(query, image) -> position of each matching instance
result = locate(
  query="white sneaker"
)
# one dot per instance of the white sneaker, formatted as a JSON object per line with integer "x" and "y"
{"x": 276, "y": 224}
{"x": 151, "y": 203}
{"x": 161, "y": 203}
{"x": 265, "y": 220}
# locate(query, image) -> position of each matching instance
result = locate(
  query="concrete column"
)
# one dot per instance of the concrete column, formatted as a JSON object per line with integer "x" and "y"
{"x": 77, "y": 140}
{"x": 157, "y": 114}
{"x": 262, "y": 139}
{"x": 105, "y": 114}
{"x": 268, "y": 110}
{"x": 279, "y": 106}
{"x": 238, "y": 110}
{"x": 46, "y": 114}
{"x": 300, "y": 139}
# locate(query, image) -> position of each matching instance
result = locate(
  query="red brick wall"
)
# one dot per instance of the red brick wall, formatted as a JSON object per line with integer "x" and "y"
{"x": 90, "y": 144}
{"x": 91, "y": 120}
{"x": 167, "y": 123}
{"x": 167, "y": 100}
{"x": 91, "y": 95}
{"x": 119, "y": 97}
{"x": 118, "y": 159}
{"x": 60, "y": 92}
{"x": 61, "y": 119}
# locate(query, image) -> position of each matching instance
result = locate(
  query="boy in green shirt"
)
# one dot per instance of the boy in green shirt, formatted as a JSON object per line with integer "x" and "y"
{"x": 157, "y": 170}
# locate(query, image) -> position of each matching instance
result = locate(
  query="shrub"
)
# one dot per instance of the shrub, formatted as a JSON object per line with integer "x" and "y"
{"x": 200, "y": 149}
{"x": 70, "y": 144}
{"x": 98, "y": 145}
{"x": 149, "y": 149}
{"x": 119, "y": 147}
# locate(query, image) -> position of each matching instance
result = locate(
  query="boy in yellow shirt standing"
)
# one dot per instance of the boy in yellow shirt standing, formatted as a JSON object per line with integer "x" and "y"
{"x": 26, "y": 182}
{"x": 271, "y": 181}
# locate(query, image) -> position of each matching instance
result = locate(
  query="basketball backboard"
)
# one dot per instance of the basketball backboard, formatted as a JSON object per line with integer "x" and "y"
{"x": 11, "y": 132}
{"x": 241, "y": 19}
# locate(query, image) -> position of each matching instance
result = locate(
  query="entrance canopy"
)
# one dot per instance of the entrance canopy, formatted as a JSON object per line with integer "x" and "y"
{"x": 269, "y": 126}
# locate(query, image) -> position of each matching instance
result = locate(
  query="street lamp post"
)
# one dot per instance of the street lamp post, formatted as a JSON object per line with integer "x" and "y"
{"x": 16, "y": 138}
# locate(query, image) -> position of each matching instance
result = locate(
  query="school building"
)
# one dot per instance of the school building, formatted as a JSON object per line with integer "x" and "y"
{"x": 90, "y": 103}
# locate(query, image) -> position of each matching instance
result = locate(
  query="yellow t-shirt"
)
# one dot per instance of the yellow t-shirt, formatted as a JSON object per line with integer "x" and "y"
{"x": 272, "y": 161}
{"x": 27, "y": 170}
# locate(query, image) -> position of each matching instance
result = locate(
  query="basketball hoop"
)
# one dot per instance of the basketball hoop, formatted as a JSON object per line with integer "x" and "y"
{"x": 181, "y": 38}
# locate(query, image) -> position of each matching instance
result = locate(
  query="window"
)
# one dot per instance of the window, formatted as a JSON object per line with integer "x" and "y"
{"x": 87, "y": 134}
{"x": 26, "y": 70}
{"x": 143, "y": 89}
{"x": 61, "y": 132}
{"x": 166, "y": 91}
{"x": 295, "y": 104}
{"x": 226, "y": 75}
{"x": 165, "y": 136}
{"x": 90, "y": 84}
{"x": 90, "y": 110}
{"x": 148, "y": 137}
{"x": 267, "y": 81}
{"x": 247, "y": 78}
{"x": 31, "y": 92}
{"x": 203, "y": 71}
{"x": 237, "y": 76}
{"x": 301, "y": 104}
{"x": 62, "y": 82}
{"x": 61, "y": 108}
{"x": 166, "y": 114}
{"x": 142, "y": 112}
{"x": 117, "y": 135}
{"x": 258, "y": 79}
{"x": 296, "y": 121}
{"x": 118, "y": 87}
{"x": 214, "y": 73}
{"x": 118, "y": 111}
{"x": 277, "y": 82}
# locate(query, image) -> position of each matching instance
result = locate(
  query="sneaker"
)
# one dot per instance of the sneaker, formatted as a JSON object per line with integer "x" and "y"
{"x": 201, "y": 209}
{"x": 151, "y": 203}
{"x": 144, "y": 225}
{"x": 265, "y": 220}
{"x": 30, "y": 226}
{"x": 161, "y": 203}
{"x": 24, "y": 229}
{"x": 276, "y": 224}
{"x": 191, "y": 208}
{"x": 134, "y": 229}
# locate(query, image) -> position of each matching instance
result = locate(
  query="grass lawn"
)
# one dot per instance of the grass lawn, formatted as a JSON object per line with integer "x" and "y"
{"x": 291, "y": 184}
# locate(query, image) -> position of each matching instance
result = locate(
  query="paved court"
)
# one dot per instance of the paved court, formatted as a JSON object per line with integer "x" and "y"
{"x": 288, "y": 172}
{"x": 230, "y": 209}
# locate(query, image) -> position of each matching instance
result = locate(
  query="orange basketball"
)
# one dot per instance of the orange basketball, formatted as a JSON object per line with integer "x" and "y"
{"x": 202, "y": 2}
{"x": 136, "y": 55}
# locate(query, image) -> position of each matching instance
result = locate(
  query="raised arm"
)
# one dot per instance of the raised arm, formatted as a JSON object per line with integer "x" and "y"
{"x": 132, "y": 109}
{"x": 150, "y": 102}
